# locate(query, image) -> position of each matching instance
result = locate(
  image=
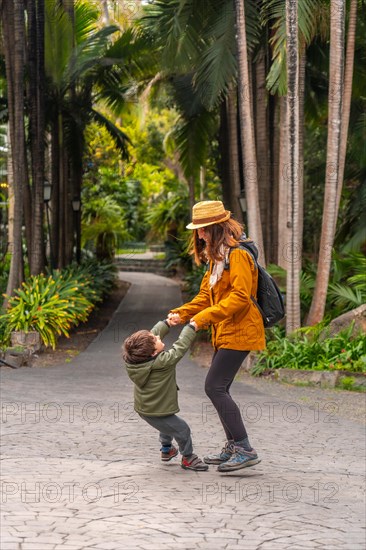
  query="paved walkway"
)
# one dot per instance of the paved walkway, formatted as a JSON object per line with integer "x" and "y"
{"x": 81, "y": 471}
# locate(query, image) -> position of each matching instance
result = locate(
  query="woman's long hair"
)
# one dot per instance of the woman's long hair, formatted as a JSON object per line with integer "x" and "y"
{"x": 226, "y": 233}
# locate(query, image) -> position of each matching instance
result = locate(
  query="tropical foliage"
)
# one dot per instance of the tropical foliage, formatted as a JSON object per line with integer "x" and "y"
{"x": 310, "y": 349}
{"x": 53, "y": 304}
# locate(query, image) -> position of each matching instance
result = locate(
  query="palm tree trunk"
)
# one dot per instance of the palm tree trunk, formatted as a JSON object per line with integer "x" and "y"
{"x": 37, "y": 129}
{"x": 233, "y": 146}
{"x": 293, "y": 319}
{"x": 191, "y": 193}
{"x": 62, "y": 193}
{"x": 263, "y": 149}
{"x": 302, "y": 67}
{"x": 224, "y": 156}
{"x": 346, "y": 107}
{"x": 55, "y": 201}
{"x": 274, "y": 132}
{"x": 106, "y": 18}
{"x": 330, "y": 211}
{"x": 247, "y": 132}
{"x": 283, "y": 230}
{"x": 12, "y": 15}
{"x": 10, "y": 178}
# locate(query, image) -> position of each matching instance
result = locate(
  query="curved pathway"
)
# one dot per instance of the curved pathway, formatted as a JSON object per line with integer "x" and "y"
{"x": 80, "y": 470}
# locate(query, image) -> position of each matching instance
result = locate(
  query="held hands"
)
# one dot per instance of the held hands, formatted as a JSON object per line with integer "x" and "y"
{"x": 173, "y": 319}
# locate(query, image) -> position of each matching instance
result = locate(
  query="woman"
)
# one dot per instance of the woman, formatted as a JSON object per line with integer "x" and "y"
{"x": 224, "y": 303}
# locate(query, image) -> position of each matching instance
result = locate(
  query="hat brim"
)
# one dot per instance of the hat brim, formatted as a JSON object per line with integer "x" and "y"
{"x": 199, "y": 225}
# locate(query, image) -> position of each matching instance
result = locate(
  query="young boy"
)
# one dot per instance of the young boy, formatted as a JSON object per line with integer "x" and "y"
{"x": 152, "y": 370}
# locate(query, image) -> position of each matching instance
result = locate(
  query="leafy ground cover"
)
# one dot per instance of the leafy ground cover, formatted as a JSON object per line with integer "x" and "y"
{"x": 311, "y": 349}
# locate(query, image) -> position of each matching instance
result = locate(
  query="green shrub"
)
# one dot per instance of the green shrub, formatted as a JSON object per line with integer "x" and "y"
{"x": 95, "y": 278}
{"x": 308, "y": 349}
{"x": 53, "y": 304}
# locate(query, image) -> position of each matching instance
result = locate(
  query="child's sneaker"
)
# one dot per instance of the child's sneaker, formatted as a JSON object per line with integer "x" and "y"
{"x": 218, "y": 458}
{"x": 240, "y": 459}
{"x": 193, "y": 463}
{"x": 167, "y": 455}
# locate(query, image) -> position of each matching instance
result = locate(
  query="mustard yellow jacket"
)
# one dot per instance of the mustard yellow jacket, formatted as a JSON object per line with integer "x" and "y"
{"x": 235, "y": 320}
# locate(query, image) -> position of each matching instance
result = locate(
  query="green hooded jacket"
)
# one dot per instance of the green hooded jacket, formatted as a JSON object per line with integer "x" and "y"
{"x": 155, "y": 382}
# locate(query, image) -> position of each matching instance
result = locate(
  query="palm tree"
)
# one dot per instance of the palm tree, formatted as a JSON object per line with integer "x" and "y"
{"x": 274, "y": 14}
{"x": 198, "y": 56}
{"x": 332, "y": 181}
{"x": 293, "y": 320}
{"x": 247, "y": 132}
{"x": 80, "y": 60}
{"x": 36, "y": 109}
{"x": 103, "y": 224}
{"x": 348, "y": 77}
{"x": 13, "y": 23}
{"x": 230, "y": 146}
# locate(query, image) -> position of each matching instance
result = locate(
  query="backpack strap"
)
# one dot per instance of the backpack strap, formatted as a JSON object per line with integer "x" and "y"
{"x": 256, "y": 265}
{"x": 241, "y": 247}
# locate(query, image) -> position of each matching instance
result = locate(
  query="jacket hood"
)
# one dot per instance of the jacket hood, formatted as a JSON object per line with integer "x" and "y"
{"x": 139, "y": 373}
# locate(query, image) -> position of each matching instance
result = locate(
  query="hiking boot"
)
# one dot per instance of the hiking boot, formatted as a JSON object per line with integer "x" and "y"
{"x": 193, "y": 463}
{"x": 239, "y": 459}
{"x": 168, "y": 455}
{"x": 223, "y": 456}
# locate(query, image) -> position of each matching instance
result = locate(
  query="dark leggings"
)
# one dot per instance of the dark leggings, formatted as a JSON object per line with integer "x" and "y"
{"x": 225, "y": 364}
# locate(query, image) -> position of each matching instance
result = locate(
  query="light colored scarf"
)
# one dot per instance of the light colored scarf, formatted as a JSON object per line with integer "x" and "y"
{"x": 219, "y": 267}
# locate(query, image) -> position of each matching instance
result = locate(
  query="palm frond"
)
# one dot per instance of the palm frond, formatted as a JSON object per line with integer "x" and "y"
{"x": 217, "y": 66}
{"x": 58, "y": 42}
{"x": 192, "y": 137}
{"x": 175, "y": 29}
{"x": 344, "y": 296}
{"x": 119, "y": 137}
{"x": 274, "y": 14}
{"x": 86, "y": 20}
{"x": 88, "y": 54}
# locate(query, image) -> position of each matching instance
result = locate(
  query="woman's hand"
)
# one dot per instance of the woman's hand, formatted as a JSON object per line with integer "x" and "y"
{"x": 174, "y": 319}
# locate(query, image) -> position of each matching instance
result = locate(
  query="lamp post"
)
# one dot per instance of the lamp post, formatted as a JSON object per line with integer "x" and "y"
{"x": 47, "y": 193}
{"x": 76, "y": 204}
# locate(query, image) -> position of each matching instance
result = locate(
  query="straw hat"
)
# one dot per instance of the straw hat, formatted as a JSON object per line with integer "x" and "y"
{"x": 207, "y": 213}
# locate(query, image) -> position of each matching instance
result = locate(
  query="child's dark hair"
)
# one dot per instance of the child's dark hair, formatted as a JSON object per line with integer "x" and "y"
{"x": 138, "y": 347}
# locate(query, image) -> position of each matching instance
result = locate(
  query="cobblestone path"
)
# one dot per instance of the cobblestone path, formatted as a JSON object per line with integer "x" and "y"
{"x": 80, "y": 470}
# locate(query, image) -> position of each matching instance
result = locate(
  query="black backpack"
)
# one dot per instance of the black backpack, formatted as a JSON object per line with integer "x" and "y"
{"x": 269, "y": 298}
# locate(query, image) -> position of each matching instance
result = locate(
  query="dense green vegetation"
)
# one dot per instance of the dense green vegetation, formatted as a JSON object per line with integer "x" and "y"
{"x": 311, "y": 349}
{"x": 52, "y": 304}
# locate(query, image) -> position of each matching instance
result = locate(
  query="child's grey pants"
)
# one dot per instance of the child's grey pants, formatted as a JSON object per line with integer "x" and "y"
{"x": 170, "y": 427}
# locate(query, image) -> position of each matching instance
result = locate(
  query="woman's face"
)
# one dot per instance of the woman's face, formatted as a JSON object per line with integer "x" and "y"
{"x": 202, "y": 234}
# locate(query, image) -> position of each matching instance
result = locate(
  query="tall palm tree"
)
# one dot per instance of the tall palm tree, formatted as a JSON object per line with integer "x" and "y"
{"x": 263, "y": 136}
{"x": 247, "y": 131}
{"x": 293, "y": 320}
{"x": 80, "y": 60}
{"x": 36, "y": 109}
{"x": 332, "y": 182}
{"x": 13, "y": 24}
{"x": 348, "y": 77}
{"x": 274, "y": 14}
